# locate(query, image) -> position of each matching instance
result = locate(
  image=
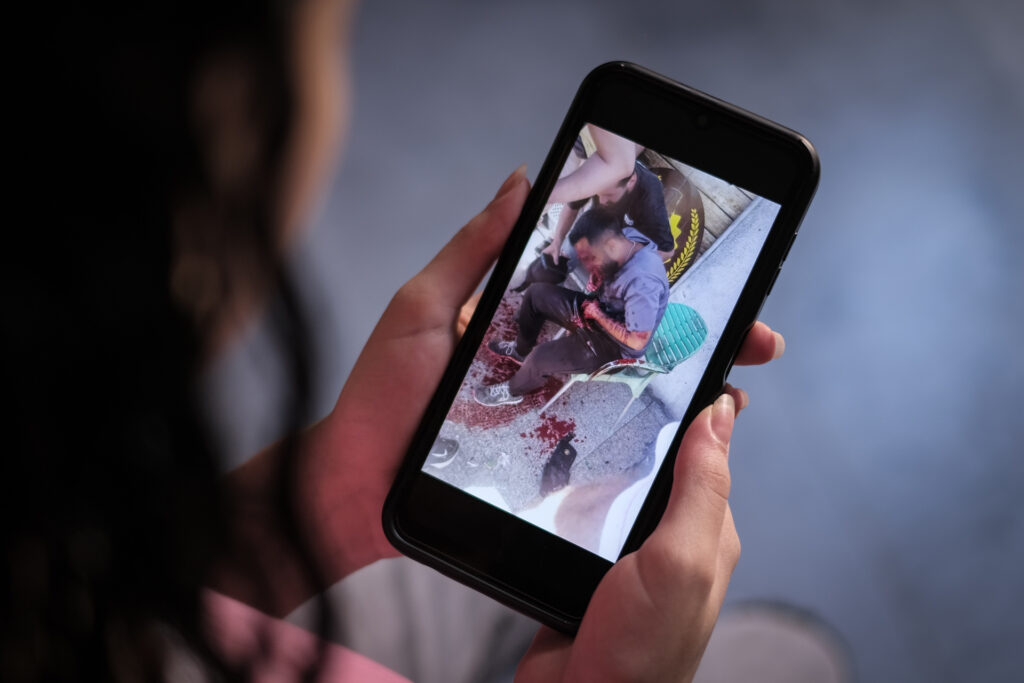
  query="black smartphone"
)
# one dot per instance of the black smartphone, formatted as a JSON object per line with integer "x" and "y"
{"x": 645, "y": 250}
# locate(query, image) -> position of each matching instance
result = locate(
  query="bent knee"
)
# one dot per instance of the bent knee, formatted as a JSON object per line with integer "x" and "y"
{"x": 540, "y": 289}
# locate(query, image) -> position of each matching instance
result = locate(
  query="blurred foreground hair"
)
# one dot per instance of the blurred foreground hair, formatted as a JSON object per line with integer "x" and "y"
{"x": 154, "y": 136}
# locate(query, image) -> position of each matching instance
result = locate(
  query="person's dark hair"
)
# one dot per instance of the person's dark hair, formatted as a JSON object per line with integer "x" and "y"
{"x": 594, "y": 225}
{"x": 112, "y": 508}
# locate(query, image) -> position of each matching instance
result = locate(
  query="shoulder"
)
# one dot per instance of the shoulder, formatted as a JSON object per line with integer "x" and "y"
{"x": 648, "y": 273}
{"x": 648, "y": 195}
{"x": 634, "y": 235}
{"x": 646, "y": 178}
{"x": 642, "y": 171}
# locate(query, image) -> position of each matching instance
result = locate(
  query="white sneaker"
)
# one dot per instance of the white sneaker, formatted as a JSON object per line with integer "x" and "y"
{"x": 496, "y": 395}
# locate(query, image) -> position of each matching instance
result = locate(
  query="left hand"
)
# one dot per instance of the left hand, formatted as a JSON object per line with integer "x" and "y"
{"x": 592, "y": 310}
{"x": 395, "y": 377}
{"x": 349, "y": 459}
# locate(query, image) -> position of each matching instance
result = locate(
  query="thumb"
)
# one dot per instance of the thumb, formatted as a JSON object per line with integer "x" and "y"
{"x": 460, "y": 265}
{"x": 696, "y": 510}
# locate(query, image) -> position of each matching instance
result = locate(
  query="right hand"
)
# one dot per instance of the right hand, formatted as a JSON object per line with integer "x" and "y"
{"x": 554, "y": 251}
{"x": 652, "y": 614}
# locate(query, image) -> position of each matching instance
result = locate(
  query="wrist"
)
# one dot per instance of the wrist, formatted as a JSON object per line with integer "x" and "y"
{"x": 340, "y": 526}
{"x": 345, "y": 500}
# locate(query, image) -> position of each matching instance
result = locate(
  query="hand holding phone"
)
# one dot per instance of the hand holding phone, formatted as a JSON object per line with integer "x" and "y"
{"x": 351, "y": 456}
{"x": 354, "y": 453}
{"x": 687, "y": 239}
{"x": 652, "y": 614}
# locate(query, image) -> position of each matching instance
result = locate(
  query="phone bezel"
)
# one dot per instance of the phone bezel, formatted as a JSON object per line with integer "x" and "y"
{"x": 492, "y": 551}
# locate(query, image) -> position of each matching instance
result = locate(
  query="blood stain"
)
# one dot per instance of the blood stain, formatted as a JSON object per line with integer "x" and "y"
{"x": 490, "y": 368}
{"x": 551, "y": 430}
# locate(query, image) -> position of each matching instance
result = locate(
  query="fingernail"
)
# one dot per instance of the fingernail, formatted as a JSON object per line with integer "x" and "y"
{"x": 511, "y": 181}
{"x": 740, "y": 398}
{"x": 723, "y": 413}
{"x": 780, "y": 346}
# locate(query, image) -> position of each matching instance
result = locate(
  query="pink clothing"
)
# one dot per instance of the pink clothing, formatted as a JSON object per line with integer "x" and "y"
{"x": 280, "y": 650}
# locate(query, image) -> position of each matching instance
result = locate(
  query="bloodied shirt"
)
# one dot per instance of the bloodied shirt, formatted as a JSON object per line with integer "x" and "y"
{"x": 638, "y": 293}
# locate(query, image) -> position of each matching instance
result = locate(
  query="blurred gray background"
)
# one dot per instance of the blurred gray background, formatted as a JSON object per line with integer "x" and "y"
{"x": 878, "y": 472}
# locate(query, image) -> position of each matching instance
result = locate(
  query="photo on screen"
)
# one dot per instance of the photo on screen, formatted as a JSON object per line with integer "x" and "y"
{"x": 600, "y": 340}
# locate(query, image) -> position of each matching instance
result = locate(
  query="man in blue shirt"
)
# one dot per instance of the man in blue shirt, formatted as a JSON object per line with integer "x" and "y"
{"x": 628, "y": 278}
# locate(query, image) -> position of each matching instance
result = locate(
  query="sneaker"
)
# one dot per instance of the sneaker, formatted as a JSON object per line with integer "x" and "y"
{"x": 496, "y": 395}
{"x": 506, "y": 349}
{"x": 443, "y": 452}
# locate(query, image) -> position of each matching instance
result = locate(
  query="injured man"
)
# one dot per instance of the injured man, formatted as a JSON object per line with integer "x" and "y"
{"x": 628, "y": 292}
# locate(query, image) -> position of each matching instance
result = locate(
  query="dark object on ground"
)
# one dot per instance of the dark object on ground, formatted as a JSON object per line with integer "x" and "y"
{"x": 556, "y": 470}
{"x": 543, "y": 269}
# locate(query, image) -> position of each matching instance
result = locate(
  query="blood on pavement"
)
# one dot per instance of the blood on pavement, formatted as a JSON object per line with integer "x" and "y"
{"x": 551, "y": 430}
{"x": 490, "y": 368}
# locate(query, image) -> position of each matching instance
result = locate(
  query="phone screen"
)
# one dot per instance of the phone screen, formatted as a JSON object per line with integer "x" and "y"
{"x": 600, "y": 341}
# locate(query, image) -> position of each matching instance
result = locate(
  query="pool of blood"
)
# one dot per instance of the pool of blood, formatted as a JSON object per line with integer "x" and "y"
{"x": 490, "y": 368}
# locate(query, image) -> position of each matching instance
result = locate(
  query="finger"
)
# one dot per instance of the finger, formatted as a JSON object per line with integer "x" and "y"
{"x": 460, "y": 265}
{"x": 466, "y": 313}
{"x": 692, "y": 522}
{"x": 739, "y": 396}
{"x": 761, "y": 345}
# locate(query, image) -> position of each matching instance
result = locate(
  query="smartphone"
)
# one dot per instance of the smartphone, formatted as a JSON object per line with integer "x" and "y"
{"x": 546, "y": 452}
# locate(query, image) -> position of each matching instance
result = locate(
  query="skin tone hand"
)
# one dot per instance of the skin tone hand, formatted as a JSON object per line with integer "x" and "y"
{"x": 565, "y": 220}
{"x": 351, "y": 456}
{"x": 652, "y": 614}
{"x": 554, "y": 251}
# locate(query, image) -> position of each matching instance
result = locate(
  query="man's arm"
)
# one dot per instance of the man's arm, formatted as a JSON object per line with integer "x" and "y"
{"x": 612, "y": 161}
{"x": 634, "y": 339}
{"x": 642, "y": 314}
{"x": 565, "y": 220}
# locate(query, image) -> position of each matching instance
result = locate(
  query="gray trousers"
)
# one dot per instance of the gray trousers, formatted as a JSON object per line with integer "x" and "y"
{"x": 584, "y": 349}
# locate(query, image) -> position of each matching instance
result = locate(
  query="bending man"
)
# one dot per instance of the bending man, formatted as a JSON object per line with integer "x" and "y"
{"x": 612, "y": 177}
